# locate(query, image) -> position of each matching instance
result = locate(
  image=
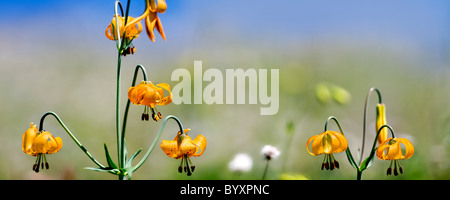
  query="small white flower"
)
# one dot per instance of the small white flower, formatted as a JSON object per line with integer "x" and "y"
{"x": 270, "y": 152}
{"x": 241, "y": 163}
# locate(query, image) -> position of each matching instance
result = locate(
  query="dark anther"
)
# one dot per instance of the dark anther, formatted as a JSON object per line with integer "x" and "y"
{"x": 389, "y": 171}
{"x": 336, "y": 164}
{"x": 395, "y": 171}
{"x": 327, "y": 166}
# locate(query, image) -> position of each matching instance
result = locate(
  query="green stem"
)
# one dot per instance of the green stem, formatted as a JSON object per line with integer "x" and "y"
{"x": 365, "y": 116}
{"x": 347, "y": 151}
{"x": 41, "y": 127}
{"x": 119, "y": 150}
{"x": 125, "y": 116}
{"x": 149, "y": 151}
{"x": 265, "y": 170}
{"x": 358, "y": 175}
{"x": 120, "y": 141}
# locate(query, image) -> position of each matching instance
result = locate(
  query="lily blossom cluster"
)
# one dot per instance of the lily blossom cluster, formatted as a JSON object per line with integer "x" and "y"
{"x": 124, "y": 29}
{"x": 130, "y": 28}
{"x": 330, "y": 142}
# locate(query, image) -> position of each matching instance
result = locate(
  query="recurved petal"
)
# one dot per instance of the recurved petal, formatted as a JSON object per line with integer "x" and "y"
{"x": 132, "y": 95}
{"x": 316, "y": 147}
{"x": 150, "y": 22}
{"x": 108, "y": 34}
{"x": 200, "y": 142}
{"x": 165, "y": 100}
{"x": 28, "y": 138}
{"x": 161, "y": 7}
{"x": 159, "y": 28}
{"x": 409, "y": 148}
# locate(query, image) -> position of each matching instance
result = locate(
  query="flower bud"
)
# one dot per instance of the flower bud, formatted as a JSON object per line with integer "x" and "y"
{"x": 381, "y": 120}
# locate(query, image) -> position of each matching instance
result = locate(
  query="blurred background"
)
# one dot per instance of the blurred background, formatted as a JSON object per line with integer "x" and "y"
{"x": 54, "y": 56}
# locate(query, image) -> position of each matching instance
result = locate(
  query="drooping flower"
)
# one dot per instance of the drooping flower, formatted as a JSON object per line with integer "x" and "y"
{"x": 38, "y": 144}
{"x": 270, "y": 152}
{"x": 183, "y": 147}
{"x": 381, "y": 120}
{"x": 131, "y": 31}
{"x": 146, "y": 93}
{"x": 327, "y": 143}
{"x": 391, "y": 150}
{"x": 151, "y": 18}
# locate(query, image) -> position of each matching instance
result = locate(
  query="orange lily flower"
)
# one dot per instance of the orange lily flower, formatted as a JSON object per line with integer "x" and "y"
{"x": 391, "y": 149}
{"x": 381, "y": 120}
{"x": 132, "y": 31}
{"x": 152, "y": 21}
{"x": 182, "y": 146}
{"x": 38, "y": 144}
{"x": 146, "y": 93}
{"x": 327, "y": 143}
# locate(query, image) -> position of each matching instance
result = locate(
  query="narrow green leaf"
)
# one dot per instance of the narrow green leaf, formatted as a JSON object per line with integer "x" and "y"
{"x": 369, "y": 160}
{"x": 130, "y": 160}
{"x": 111, "y": 163}
{"x": 106, "y": 169}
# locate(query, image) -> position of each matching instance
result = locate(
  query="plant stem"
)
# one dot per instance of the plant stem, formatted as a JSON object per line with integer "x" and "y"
{"x": 358, "y": 175}
{"x": 125, "y": 116}
{"x": 152, "y": 146}
{"x": 41, "y": 127}
{"x": 265, "y": 170}
{"x": 119, "y": 149}
{"x": 365, "y": 116}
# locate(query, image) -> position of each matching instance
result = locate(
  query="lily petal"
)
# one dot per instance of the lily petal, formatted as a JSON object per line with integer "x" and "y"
{"x": 168, "y": 99}
{"x": 200, "y": 142}
{"x": 28, "y": 139}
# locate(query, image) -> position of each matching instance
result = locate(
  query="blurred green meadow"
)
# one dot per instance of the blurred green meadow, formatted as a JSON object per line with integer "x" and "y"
{"x": 59, "y": 60}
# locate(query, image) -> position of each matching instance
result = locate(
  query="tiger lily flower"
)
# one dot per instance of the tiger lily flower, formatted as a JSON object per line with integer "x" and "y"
{"x": 132, "y": 31}
{"x": 38, "y": 144}
{"x": 146, "y": 93}
{"x": 183, "y": 147}
{"x": 381, "y": 120}
{"x": 152, "y": 21}
{"x": 391, "y": 149}
{"x": 327, "y": 143}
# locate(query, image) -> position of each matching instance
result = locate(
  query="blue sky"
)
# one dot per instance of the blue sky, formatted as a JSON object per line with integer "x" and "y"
{"x": 423, "y": 22}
